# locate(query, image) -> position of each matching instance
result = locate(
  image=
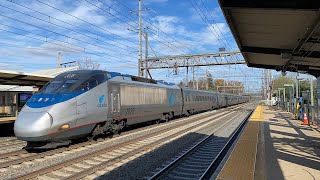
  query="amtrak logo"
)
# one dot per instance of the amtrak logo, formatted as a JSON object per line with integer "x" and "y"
{"x": 101, "y": 99}
{"x": 172, "y": 99}
{"x": 101, "y": 102}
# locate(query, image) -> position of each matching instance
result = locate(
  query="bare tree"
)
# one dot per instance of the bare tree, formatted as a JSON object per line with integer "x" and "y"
{"x": 87, "y": 63}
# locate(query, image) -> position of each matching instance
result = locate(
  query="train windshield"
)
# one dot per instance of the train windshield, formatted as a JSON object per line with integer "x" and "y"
{"x": 50, "y": 87}
{"x": 61, "y": 85}
{"x": 66, "y": 86}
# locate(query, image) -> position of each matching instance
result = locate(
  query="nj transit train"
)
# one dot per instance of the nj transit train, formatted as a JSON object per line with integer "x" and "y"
{"x": 84, "y": 103}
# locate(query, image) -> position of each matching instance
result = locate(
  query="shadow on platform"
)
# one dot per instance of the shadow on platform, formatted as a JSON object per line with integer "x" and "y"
{"x": 293, "y": 147}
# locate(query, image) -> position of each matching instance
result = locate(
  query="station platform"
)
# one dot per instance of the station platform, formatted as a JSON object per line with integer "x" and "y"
{"x": 274, "y": 146}
{"x": 5, "y": 120}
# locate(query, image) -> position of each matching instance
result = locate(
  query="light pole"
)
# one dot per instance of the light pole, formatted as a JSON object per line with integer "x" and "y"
{"x": 311, "y": 100}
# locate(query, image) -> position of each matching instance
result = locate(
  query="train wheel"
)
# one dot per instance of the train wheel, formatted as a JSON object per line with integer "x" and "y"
{"x": 98, "y": 130}
{"x": 165, "y": 117}
{"x": 117, "y": 126}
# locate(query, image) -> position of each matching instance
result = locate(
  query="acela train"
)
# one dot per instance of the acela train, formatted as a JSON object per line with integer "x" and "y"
{"x": 84, "y": 103}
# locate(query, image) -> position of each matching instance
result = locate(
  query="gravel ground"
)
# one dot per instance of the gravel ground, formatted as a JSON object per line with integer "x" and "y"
{"x": 23, "y": 168}
{"x": 146, "y": 165}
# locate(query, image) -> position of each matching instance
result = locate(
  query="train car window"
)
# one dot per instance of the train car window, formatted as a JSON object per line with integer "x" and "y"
{"x": 99, "y": 77}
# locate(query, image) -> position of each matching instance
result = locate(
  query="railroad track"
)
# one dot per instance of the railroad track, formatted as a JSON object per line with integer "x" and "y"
{"x": 22, "y": 155}
{"x": 10, "y": 144}
{"x": 200, "y": 161}
{"x": 91, "y": 163}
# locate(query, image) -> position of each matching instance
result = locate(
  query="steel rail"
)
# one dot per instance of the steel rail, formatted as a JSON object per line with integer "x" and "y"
{"x": 171, "y": 166}
{"x": 99, "y": 152}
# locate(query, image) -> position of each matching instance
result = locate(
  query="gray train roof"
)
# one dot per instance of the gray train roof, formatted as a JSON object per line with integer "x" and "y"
{"x": 115, "y": 76}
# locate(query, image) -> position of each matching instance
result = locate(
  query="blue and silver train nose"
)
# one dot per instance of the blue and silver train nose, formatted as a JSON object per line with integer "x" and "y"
{"x": 32, "y": 126}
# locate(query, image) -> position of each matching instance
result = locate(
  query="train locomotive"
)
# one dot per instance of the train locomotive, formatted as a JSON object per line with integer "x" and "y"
{"x": 84, "y": 103}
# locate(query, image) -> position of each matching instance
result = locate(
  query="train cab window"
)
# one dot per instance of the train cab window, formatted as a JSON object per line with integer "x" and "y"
{"x": 99, "y": 77}
{"x": 92, "y": 82}
{"x": 89, "y": 84}
{"x": 65, "y": 87}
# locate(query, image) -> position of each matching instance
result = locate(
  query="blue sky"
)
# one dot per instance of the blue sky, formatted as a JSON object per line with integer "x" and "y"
{"x": 32, "y": 32}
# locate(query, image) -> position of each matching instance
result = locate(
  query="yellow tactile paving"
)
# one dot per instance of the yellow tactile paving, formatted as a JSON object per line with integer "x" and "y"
{"x": 257, "y": 114}
{"x": 241, "y": 163}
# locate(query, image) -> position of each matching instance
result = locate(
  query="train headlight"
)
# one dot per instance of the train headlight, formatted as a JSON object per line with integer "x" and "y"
{"x": 64, "y": 127}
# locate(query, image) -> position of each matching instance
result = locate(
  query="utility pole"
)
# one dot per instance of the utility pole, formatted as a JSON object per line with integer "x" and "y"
{"x": 140, "y": 73}
{"x": 187, "y": 73}
{"x": 297, "y": 88}
{"x": 193, "y": 85}
{"x": 197, "y": 78}
{"x": 207, "y": 82}
{"x": 146, "y": 55}
{"x": 263, "y": 84}
{"x": 59, "y": 59}
{"x": 269, "y": 84}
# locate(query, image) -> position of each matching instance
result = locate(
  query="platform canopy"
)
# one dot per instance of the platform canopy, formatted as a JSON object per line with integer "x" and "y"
{"x": 23, "y": 79}
{"x": 276, "y": 34}
{"x": 38, "y": 78}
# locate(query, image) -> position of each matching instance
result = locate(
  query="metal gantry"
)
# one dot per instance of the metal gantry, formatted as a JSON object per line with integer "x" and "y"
{"x": 208, "y": 59}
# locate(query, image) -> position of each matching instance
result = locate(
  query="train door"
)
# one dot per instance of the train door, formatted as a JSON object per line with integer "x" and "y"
{"x": 114, "y": 99}
{"x": 82, "y": 111}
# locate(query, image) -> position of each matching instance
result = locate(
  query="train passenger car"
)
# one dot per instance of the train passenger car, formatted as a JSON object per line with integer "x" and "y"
{"x": 232, "y": 99}
{"x": 136, "y": 100}
{"x": 222, "y": 100}
{"x": 198, "y": 100}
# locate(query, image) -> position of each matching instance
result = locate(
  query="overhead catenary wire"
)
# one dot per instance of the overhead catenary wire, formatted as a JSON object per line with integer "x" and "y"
{"x": 106, "y": 12}
{"x": 152, "y": 37}
{"x": 166, "y": 43}
{"x": 217, "y": 27}
{"x": 111, "y": 50}
{"x": 157, "y": 28}
{"x": 50, "y": 18}
{"x": 82, "y": 20}
{"x": 45, "y": 39}
{"x": 221, "y": 33}
{"x": 211, "y": 28}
